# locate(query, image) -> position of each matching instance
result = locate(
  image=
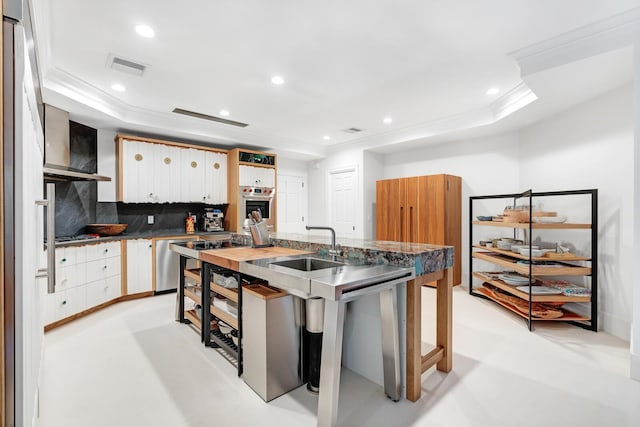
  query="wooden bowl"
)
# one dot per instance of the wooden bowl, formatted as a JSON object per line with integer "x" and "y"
{"x": 105, "y": 229}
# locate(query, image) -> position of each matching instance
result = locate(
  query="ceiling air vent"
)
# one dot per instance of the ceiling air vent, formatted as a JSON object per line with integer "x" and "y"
{"x": 126, "y": 65}
{"x": 352, "y": 130}
{"x": 208, "y": 117}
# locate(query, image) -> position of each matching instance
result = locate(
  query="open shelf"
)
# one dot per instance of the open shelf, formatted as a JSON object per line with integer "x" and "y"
{"x": 535, "y": 258}
{"x": 568, "y": 315}
{"x": 225, "y": 316}
{"x": 224, "y": 342}
{"x": 509, "y": 262}
{"x": 193, "y": 274}
{"x": 192, "y": 296}
{"x": 535, "y": 225}
{"x": 193, "y": 318}
{"x": 229, "y": 293}
{"x": 525, "y": 295}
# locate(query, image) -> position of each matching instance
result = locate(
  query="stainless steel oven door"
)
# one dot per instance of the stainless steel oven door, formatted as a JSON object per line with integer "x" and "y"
{"x": 249, "y": 203}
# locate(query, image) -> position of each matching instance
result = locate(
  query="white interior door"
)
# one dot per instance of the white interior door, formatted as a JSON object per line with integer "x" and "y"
{"x": 291, "y": 211}
{"x": 343, "y": 201}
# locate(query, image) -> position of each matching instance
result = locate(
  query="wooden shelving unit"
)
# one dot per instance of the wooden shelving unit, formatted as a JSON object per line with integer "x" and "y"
{"x": 537, "y": 268}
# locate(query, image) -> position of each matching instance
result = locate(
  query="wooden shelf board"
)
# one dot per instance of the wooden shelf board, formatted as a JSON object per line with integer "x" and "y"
{"x": 193, "y": 318}
{"x": 192, "y": 296}
{"x": 537, "y": 258}
{"x": 535, "y": 225}
{"x": 225, "y": 316}
{"x": 193, "y": 274}
{"x": 568, "y": 315}
{"x": 508, "y": 262}
{"x": 525, "y": 295}
{"x": 228, "y": 293}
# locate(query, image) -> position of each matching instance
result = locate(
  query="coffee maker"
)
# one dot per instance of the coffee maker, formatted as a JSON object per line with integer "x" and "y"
{"x": 212, "y": 220}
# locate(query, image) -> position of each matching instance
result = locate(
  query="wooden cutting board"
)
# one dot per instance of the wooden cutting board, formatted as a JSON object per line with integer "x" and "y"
{"x": 232, "y": 257}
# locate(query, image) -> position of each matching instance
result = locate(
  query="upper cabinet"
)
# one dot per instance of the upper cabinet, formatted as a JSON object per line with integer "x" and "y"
{"x": 251, "y": 176}
{"x": 154, "y": 171}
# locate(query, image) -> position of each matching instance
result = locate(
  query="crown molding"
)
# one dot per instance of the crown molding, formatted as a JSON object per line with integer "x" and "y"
{"x": 513, "y": 100}
{"x": 601, "y": 36}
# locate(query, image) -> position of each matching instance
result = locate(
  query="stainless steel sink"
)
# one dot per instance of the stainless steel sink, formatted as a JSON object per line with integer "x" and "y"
{"x": 308, "y": 264}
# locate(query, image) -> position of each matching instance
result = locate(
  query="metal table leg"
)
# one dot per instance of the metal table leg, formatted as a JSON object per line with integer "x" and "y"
{"x": 390, "y": 344}
{"x": 331, "y": 363}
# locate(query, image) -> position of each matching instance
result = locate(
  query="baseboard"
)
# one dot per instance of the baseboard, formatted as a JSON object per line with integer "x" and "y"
{"x": 635, "y": 366}
{"x": 615, "y": 326}
{"x": 88, "y": 311}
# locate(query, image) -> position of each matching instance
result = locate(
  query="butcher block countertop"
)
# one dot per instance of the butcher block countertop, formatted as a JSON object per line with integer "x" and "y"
{"x": 232, "y": 257}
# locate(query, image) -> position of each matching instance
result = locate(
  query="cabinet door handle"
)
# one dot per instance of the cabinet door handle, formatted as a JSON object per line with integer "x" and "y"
{"x": 411, "y": 236}
{"x": 401, "y": 222}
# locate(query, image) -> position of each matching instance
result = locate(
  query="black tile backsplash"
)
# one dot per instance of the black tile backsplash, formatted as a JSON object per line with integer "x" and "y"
{"x": 75, "y": 206}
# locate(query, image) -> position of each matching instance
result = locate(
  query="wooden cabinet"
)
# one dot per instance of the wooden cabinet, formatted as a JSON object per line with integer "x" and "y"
{"x": 547, "y": 289}
{"x": 139, "y": 266}
{"x": 156, "y": 171}
{"x": 252, "y": 169}
{"x": 422, "y": 209}
{"x": 215, "y": 179}
{"x": 167, "y": 173}
{"x": 192, "y": 176}
{"x": 86, "y": 276}
{"x": 252, "y": 176}
{"x": 138, "y": 171}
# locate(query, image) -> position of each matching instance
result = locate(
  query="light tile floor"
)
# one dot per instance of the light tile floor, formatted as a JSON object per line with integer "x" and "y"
{"x": 133, "y": 365}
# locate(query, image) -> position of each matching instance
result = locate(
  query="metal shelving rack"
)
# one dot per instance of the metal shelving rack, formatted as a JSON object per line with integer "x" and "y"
{"x": 505, "y": 258}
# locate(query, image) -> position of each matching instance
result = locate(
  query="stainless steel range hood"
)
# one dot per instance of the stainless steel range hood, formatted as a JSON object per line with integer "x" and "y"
{"x": 57, "y": 149}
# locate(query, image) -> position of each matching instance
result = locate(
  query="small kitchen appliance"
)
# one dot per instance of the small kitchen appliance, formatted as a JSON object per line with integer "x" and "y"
{"x": 212, "y": 220}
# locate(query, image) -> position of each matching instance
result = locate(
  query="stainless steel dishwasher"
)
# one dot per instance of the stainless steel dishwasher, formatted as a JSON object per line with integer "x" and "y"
{"x": 168, "y": 264}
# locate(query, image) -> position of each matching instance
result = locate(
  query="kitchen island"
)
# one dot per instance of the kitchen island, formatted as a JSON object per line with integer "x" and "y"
{"x": 430, "y": 263}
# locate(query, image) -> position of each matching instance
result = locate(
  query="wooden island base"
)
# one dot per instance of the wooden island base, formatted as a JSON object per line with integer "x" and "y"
{"x": 441, "y": 356}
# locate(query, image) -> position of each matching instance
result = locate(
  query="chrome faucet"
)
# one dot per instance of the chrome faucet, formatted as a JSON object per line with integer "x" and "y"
{"x": 334, "y": 249}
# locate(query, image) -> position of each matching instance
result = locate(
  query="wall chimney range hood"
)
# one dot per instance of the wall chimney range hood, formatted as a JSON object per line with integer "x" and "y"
{"x": 57, "y": 163}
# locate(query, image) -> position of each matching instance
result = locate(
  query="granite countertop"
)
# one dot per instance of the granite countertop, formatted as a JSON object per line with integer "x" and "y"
{"x": 425, "y": 258}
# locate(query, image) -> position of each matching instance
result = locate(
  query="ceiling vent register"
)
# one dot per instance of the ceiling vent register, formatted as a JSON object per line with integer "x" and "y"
{"x": 353, "y": 130}
{"x": 126, "y": 65}
{"x": 210, "y": 118}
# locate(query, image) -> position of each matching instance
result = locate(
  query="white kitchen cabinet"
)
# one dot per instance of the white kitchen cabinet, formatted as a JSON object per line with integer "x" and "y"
{"x": 251, "y": 176}
{"x": 192, "y": 175}
{"x": 104, "y": 290}
{"x": 215, "y": 178}
{"x": 138, "y": 172}
{"x": 167, "y": 173}
{"x": 85, "y": 276}
{"x": 139, "y": 266}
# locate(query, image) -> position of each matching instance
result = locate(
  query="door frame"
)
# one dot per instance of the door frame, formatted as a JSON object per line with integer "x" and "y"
{"x": 330, "y": 173}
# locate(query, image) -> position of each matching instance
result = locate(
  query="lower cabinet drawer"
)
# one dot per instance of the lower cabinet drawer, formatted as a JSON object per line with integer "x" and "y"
{"x": 102, "y": 291}
{"x": 102, "y": 269}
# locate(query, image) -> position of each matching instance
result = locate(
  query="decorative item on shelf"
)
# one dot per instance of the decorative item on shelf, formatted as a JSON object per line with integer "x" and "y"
{"x": 538, "y": 310}
{"x": 484, "y": 218}
{"x": 105, "y": 229}
{"x": 190, "y": 223}
{"x": 549, "y": 219}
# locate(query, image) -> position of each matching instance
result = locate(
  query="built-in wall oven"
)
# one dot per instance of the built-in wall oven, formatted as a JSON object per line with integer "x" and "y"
{"x": 257, "y": 199}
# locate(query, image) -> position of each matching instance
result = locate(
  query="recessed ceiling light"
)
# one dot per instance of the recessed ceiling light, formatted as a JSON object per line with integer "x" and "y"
{"x": 493, "y": 91}
{"x": 387, "y": 120}
{"x": 277, "y": 80}
{"x": 326, "y": 137}
{"x": 224, "y": 113}
{"x": 118, "y": 87}
{"x": 145, "y": 31}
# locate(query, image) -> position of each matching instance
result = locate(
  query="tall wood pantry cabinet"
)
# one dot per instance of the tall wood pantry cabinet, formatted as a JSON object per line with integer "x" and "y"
{"x": 422, "y": 209}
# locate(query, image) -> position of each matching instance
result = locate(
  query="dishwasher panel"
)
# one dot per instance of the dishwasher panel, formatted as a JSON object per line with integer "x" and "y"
{"x": 168, "y": 265}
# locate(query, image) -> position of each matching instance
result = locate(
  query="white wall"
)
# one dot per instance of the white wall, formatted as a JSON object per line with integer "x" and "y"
{"x": 297, "y": 168}
{"x": 487, "y": 165}
{"x": 373, "y": 171}
{"x": 591, "y": 146}
{"x": 635, "y": 278}
{"x": 319, "y": 193}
